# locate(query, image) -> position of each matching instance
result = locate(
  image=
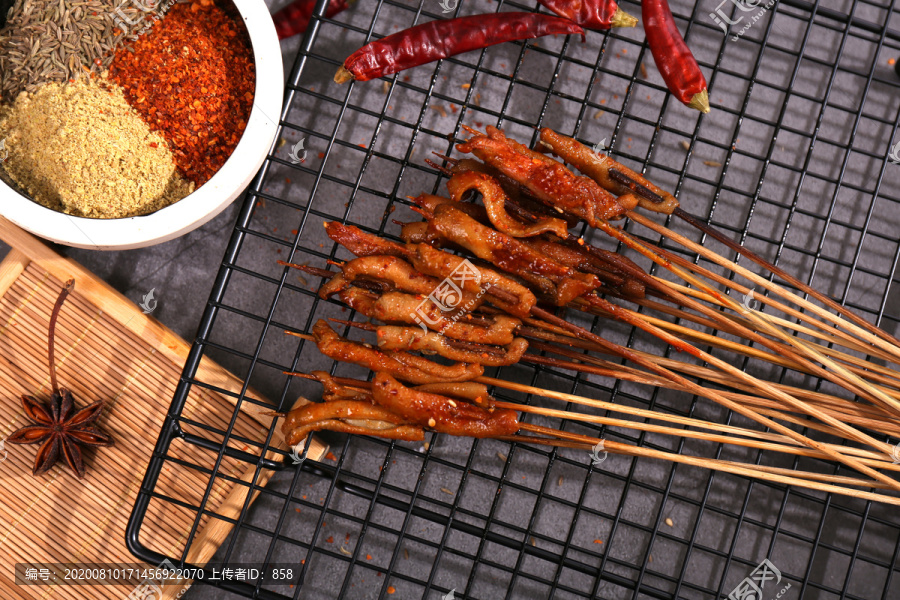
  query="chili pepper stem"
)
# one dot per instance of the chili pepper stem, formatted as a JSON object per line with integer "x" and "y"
{"x": 343, "y": 75}
{"x": 623, "y": 19}
{"x": 51, "y": 333}
{"x": 700, "y": 101}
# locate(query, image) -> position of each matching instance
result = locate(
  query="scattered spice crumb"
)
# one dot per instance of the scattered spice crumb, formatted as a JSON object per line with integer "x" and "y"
{"x": 686, "y": 145}
{"x": 650, "y": 556}
{"x": 559, "y": 481}
{"x": 321, "y": 155}
{"x": 477, "y": 100}
{"x": 297, "y": 509}
{"x": 533, "y": 542}
{"x": 446, "y": 491}
{"x": 281, "y": 143}
{"x": 624, "y": 50}
{"x": 386, "y": 86}
{"x": 440, "y": 109}
{"x": 892, "y": 61}
{"x": 391, "y": 589}
{"x": 598, "y": 541}
{"x": 599, "y": 114}
{"x": 330, "y": 456}
{"x": 501, "y": 456}
{"x": 466, "y": 86}
{"x": 453, "y": 108}
{"x": 406, "y": 554}
{"x": 344, "y": 551}
{"x": 368, "y": 557}
{"x": 712, "y": 163}
{"x": 426, "y": 445}
{"x": 643, "y": 70}
{"x": 670, "y": 522}
{"x": 347, "y": 537}
{"x": 330, "y": 539}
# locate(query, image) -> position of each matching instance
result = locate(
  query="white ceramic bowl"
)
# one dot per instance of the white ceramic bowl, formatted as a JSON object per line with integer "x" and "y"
{"x": 208, "y": 200}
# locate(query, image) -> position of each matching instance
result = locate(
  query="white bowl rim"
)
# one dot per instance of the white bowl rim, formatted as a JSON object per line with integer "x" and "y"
{"x": 207, "y": 201}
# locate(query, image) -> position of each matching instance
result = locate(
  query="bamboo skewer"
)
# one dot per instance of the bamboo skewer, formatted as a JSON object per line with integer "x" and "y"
{"x": 848, "y": 431}
{"x": 858, "y": 385}
{"x": 765, "y": 474}
{"x": 768, "y": 407}
{"x": 859, "y": 326}
{"x": 893, "y": 342}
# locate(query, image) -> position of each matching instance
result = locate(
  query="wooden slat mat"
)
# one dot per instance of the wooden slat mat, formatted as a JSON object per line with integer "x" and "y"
{"x": 106, "y": 349}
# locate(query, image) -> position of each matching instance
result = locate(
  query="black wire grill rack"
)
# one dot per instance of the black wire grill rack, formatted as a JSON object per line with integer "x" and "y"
{"x": 795, "y": 160}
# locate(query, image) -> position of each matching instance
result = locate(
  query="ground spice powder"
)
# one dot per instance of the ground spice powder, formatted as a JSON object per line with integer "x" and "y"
{"x": 81, "y": 149}
{"x": 192, "y": 79}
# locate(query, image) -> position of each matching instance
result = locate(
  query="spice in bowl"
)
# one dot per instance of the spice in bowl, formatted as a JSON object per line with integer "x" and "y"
{"x": 55, "y": 40}
{"x": 81, "y": 149}
{"x": 192, "y": 78}
{"x": 128, "y": 141}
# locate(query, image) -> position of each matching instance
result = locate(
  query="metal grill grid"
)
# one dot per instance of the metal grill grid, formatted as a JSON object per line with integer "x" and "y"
{"x": 803, "y": 180}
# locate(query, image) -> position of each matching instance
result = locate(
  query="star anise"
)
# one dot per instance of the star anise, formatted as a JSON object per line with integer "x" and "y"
{"x": 55, "y": 427}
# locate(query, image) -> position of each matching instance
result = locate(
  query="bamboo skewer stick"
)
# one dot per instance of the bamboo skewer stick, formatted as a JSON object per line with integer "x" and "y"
{"x": 765, "y": 474}
{"x": 859, "y": 326}
{"x": 849, "y": 431}
{"x": 867, "y": 390}
{"x": 829, "y": 302}
{"x": 552, "y": 334}
{"x": 857, "y": 365}
{"x": 871, "y": 392}
{"x": 606, "y": 369}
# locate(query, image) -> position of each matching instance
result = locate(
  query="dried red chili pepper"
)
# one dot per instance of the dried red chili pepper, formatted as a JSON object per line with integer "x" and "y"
{"x": 591, "y": 14}
{"x": 294, "y": 18}
{"x": 439, "y": 39}
{"x": 192, "y": 78}
{"x": 672, "y": 56}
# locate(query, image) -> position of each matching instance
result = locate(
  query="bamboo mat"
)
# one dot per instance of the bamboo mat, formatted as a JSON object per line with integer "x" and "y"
{"x": 106, "y": 348}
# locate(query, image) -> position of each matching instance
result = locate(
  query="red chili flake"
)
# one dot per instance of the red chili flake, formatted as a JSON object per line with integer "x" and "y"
{"x": 321, "y": 155}
{"x": 154, "y": 145}
{"x": 294, "y": 231}
{"x": 330, "y": 456}
{"x": 330, "y": 539}
{"x": 368, "y": 557}
{"x": 192, "y": 79}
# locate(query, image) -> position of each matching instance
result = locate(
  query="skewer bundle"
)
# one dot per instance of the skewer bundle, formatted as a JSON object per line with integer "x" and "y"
{"x": 483, "y": 285}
